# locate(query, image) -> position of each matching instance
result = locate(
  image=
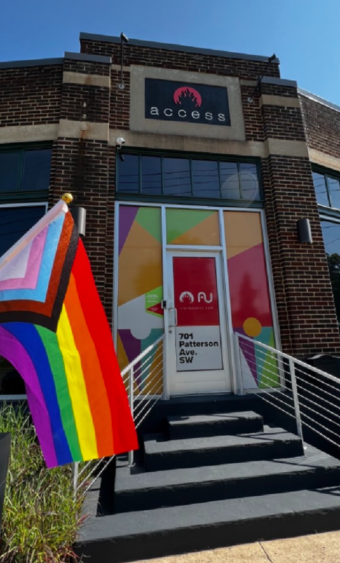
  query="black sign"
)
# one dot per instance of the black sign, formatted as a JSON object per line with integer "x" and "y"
{"x": 182, "y": 101}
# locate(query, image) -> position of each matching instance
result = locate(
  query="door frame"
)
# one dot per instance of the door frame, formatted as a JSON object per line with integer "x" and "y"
{"x": 170, "y": 342}
{"x": 237, "y": 387}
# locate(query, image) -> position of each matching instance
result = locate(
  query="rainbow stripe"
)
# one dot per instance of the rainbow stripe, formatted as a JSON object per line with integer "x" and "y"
{"x": 54, "y": 331}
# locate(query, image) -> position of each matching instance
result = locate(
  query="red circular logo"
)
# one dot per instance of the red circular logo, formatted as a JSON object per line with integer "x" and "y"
{"x": 187, "y": 92}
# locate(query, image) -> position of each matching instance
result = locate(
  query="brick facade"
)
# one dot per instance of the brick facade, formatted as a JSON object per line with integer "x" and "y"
{"x": 84, "y": 162}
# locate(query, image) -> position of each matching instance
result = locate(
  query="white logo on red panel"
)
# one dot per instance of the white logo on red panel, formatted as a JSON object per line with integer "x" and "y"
{"x": 202, "y": 296}
{"x": 186, "y": 297}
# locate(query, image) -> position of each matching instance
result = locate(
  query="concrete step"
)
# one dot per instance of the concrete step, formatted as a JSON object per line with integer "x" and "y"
{"x": 178, "y": 487}
{"x": 161, "y": 454}
{"x": 213, "y": 425}
{"x": 169, "y": 531}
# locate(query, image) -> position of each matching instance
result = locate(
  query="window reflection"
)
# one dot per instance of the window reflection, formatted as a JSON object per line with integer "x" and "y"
{"x": 151, "y": 175}
{"x": 230, "y": 185}
{"x": 177, "y": 178}
{"x": 15, "y": 222}
{"x": 249, "y": 181}
{"x": 184, "y": 177}
{"x": 334, "y": 192}
{"x": 331, "y": 235}
{"x": 320, "y": 187}
{"x": 205, "y": 178}
{"x": 129, "y": 174}
{"x": 36, "y": 173}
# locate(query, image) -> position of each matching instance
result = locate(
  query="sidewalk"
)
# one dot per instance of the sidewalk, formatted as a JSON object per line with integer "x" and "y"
{"x": 318, "y": 548}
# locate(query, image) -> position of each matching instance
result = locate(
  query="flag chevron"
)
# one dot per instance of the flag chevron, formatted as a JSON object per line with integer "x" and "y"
{"x": 54, "y": 331}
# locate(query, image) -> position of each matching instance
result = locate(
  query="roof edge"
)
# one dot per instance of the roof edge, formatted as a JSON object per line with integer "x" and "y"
{"x": 318, "y": 99}
{"x": 32, "y": 62}
{"x": 174, "y": 47}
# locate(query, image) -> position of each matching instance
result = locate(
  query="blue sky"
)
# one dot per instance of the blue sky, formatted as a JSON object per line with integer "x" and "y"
{"x": 304, "y": 34}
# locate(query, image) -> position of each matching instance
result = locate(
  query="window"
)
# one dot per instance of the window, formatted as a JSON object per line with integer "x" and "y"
{"x": 331, "y": 235}
{"x": 24, "y": 171}
{"x": 180, "y": 177}
{"x": 15, "y": 221}
{"x": 327, "y": 189}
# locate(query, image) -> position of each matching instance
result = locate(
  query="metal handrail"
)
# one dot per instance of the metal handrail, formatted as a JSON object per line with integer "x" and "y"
{"x": 299, "y": 373}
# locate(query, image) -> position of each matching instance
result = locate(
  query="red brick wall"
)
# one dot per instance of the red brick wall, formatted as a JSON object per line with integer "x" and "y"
{"x": 30, "y": 95}
{"x": 322, "y": 126}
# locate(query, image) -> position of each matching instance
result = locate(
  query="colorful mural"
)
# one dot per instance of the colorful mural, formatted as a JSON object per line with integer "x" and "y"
{"x": 140, "y": 289}
{"x": 249, "y": 296}
{"x": 192, "y": 226}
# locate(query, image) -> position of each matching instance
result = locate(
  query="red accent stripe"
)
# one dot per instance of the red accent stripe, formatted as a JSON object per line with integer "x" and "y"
{"x": 124, "y": 434}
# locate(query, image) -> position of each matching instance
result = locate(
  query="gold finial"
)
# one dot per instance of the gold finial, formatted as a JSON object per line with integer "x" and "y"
{"x": 68, "y": 198}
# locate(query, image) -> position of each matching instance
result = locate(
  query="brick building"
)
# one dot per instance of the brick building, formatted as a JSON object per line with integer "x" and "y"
{"x": 194, "y": 174}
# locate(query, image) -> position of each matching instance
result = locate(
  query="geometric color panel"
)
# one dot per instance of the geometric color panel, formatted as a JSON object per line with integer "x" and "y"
{"x": 251, "y": 309}
{"x": 192, "y": 226}
{"x": 140, "y": 286}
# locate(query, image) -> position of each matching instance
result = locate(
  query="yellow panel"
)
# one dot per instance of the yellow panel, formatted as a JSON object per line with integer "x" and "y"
{"x": 156, "y": 373}
{"x": 140, "y": 265}
{"x": 206, "y": 233}
{"x": 243, "y": 230}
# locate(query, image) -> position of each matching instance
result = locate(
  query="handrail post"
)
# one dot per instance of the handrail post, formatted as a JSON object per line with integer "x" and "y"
{"x": 131, "y": 401}
{"x": 75, "y": 471}
{"x": 296, "y": 400}
{"x": 239, "y": 378}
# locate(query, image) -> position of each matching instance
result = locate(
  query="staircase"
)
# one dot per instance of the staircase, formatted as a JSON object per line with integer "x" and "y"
{"x": 213, "y": 480}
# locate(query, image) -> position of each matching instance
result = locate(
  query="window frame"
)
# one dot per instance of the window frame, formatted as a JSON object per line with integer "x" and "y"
{"x": 327, "y": 173}
{"x": 192, "y": 200}
{"x": 18, "y": 195}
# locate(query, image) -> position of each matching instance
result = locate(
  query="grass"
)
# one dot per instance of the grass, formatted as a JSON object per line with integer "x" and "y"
{"x": 41, "y": 516}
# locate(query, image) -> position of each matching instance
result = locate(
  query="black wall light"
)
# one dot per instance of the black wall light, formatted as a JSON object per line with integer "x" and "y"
{"x": 79, "y": 217}
{"x": 304, "y": 231}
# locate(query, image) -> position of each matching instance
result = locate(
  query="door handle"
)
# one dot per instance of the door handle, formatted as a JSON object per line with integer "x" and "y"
{"x": 175, "y": 316}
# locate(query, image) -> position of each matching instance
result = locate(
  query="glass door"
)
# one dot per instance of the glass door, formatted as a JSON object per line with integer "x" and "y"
{"x": 196, "y": 325}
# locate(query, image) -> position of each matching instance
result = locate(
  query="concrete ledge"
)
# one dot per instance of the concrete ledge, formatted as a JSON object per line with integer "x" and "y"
{"x": 254, "y": 149}
{"x": 32, "y": 62}
{"x": 28, "y": 133}
{"x": 172, "y": 47}
{"x": 279, "y": 81}
{"x": 84, "y": 130}
{"x": 323, "y": 159}
{"x": 282, "y": 101}
{"x": 86, "y": 79}
{"x": 87, "y": 58}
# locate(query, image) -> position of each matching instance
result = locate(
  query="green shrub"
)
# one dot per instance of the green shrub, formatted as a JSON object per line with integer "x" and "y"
{"x": 40, "y": 517}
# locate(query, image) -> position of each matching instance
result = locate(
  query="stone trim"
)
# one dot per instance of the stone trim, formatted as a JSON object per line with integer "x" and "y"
{"x": 269, "y": 100}
{"x": 86, "y": 79}
{"x": 83, "y": 129}
{"x": 254, "y": 149}
{"x": 323, "y": 159}
{"x": 28, "y": 133}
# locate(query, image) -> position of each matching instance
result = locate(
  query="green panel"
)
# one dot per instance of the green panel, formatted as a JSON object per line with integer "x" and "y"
{"x": 150, "y": 219}
{"x": 179, "y": 221}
